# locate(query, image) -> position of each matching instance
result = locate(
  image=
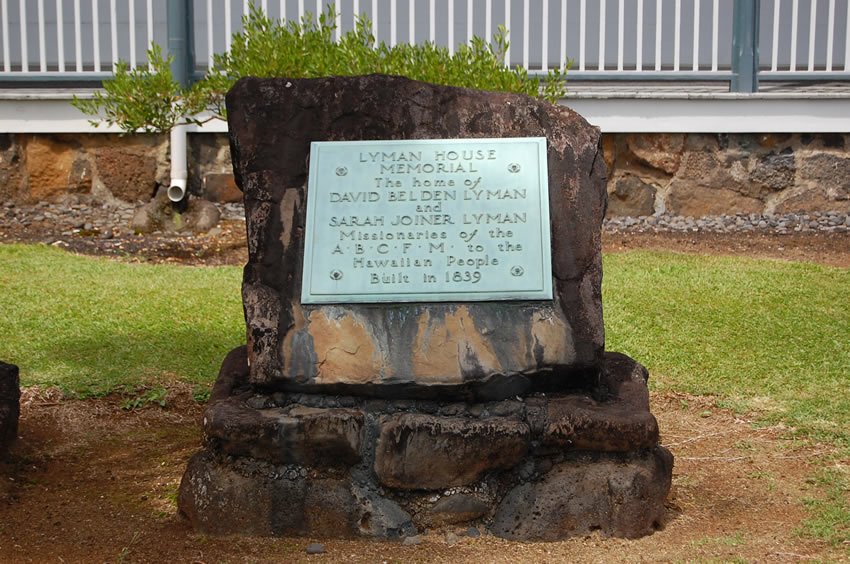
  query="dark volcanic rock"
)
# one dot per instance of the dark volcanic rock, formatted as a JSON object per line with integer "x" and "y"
{"x": 622, "y": 497}
{"x": 297, "y": 435}
{"x": 457, "y": 508}
{"x": 10, "y": 405}
{"x": 272, "y": 123}
{"x": 428, "y": 452}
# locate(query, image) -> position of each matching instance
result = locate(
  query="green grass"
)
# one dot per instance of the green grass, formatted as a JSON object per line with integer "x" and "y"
{"x": 92, "y": 326}
{"x": 764, "y": 335}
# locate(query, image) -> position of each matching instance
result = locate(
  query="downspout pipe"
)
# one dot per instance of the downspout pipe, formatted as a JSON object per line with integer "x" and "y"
{"x": 179, "y": 18}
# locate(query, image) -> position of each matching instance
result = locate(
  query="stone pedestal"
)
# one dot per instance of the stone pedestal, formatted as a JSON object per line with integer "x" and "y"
{"x": 544, "y": 466}
{"x": 384, "y": 419}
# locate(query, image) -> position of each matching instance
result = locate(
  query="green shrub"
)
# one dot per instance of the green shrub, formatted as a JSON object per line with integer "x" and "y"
{"x": 149, "y": 99}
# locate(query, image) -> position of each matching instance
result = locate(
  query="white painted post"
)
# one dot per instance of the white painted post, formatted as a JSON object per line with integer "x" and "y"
{"x": 132, "y": 23}
{"x": 582, "y": 33}
{"x": 113, "y": 31}
{"x": 393, "y": 23}
{"x": 508, "y": 25}
{"x": 374, "y": 17}
{"x": 4, "y": 11}
{"x": 488, "y": 16}
{"x": 228, "y": 24}
{"x": 639, "y": 37}
{"x": 526, "y": 32}
{"x": 432, "y": 22}
{"x": 795, "y": 9}
{"x": 411, "y": 23}
{"x": 60, "y": 36}
{"x": 95, "y": 24}
{"x": 42, "y": 51}
{"x": 78, "y": 39}
{"x": 695, "y": 66}
{"x": 210, "y": 45}
{"x": 23, "y": 25}
{"x": 469, "y": 21}
{"x": 774, "y": 57}
{"x": 830, "y": 35}
{"x": 677, "y": 35}
{"x": 544, "y": 39}
{"x": 451, "y": 9}
{"x": 563, "y": 58}
{"x": 149, "y": 21}
{"x": 621, "y": 33}
{"x": 658, "y": 19}
{"x": 812, "y": 30}
{"x": 602, "y": 35}
{"x": 715, "y": 44}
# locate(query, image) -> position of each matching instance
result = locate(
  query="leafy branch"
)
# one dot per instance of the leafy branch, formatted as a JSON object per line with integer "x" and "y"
{"x": 148, "y": 99}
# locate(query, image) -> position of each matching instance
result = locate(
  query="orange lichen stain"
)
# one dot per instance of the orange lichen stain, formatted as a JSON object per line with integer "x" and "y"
{"x": 552, "y": 333}
{"x": 345, "y": 350}
{"x": 445, "y": 347}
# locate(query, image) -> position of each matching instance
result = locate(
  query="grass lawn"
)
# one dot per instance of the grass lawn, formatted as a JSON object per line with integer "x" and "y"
{"x": 92, "y": 326}
{"x": 764, "y": 335}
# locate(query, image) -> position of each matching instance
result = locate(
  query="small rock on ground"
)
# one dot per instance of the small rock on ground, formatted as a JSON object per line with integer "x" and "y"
{"x": 315, "y": 548}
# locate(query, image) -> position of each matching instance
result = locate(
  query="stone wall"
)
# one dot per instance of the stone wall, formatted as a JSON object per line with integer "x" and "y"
{"x": 713, "y": 174}
{"x": 684, "y": 174}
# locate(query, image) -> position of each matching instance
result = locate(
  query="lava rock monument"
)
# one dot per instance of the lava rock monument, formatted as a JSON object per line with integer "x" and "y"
{"x": 425, "y": 343}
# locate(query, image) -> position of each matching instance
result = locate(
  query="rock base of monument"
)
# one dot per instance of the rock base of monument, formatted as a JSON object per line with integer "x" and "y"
{"x": 540, "y": 467}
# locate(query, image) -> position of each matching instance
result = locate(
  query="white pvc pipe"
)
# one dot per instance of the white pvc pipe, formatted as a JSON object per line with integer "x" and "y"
{"x": 179, "y": 171}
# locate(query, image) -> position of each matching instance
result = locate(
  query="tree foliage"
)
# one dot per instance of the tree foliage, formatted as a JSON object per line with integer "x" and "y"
{"x": 150, "y": 99}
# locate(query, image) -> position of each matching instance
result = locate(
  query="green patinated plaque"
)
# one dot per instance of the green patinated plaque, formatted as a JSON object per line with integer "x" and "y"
{"x": 427, "y": 221}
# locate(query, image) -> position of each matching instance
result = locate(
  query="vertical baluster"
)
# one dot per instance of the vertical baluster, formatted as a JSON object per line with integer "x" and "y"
{"x": 451, "y": 9}
{"x": 319, "y": 9}
{"x": 639, "y": 37}
{"x": 60, "y": 36}
{"x": 265, "y": 6}
{"x": 774, "y": 56}
{"x": 582, "y": 33}
{"x": 42, "y": 55}
{"x": 392, "y": 22}
{"x": 563, "y": 54}
{"x": 95, "y": 25}
{"x": 677, "y": 35}
{"x": 282, "y": 8}
{"x": 795, "y": 9}
{"x": 621, "y": 33}
{"x": 830, "y": 35}
{"x": 149, "y": 25}
{"x": 132, "y": 23}
{"x": 508, "y": 26}
{"x": 525, "y": 32}
{"x": 337, "y": 19}
{"x": 374, "y": 19}
{"x": 113, "y": 33}
{"x": 78, "y": 37}
{"x": 469, "y": 21}
{"x": 228, "y": 23}
{"x": 602, "y": 34}
{"x": 696, "y": 36}
{"x": 4, "y": 11}
{"x": 411, "y": 24}
{"x": 847, "y": 42}
{"x": 210, "y": 46}
{"x": 432, "y": 22}
{"x": 715, "y": 44}
{"x": 23, "y": 25}
{"x": 658, "y": 21}
{"x": 544, "y": 40}
{"x": 812, "y": 30}
{"x": 488, "y": 19}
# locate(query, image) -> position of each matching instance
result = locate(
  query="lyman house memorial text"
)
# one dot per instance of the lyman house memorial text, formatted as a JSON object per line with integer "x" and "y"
{"x": 441, "y": 220}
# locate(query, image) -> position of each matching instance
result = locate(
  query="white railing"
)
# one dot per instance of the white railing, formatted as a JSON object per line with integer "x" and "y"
{"x": 602, "y": 39}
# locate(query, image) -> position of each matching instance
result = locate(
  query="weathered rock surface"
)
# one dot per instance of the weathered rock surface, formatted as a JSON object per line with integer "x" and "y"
{"x": 463, "y": 347}
{"x": 416, "y": 451}
{"x": 630, "y": 196}
{"x": 327, "y": 465}
{"x": 618, "y": 496}
{"x": 10, "y": 407}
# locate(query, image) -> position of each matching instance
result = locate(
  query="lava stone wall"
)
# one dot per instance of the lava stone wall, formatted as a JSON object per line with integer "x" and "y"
{"x": 693, "y": 174}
